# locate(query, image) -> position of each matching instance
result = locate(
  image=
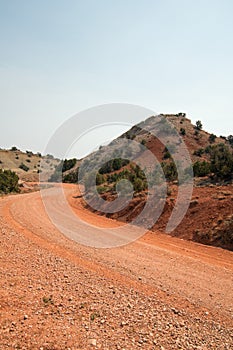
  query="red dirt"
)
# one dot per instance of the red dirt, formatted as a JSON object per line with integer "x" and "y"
{"x": 159, "y": 292}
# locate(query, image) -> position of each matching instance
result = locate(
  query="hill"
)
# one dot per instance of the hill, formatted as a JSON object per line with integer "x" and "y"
{"x": 209, "y": 216}
{"x": 26, "y": 165}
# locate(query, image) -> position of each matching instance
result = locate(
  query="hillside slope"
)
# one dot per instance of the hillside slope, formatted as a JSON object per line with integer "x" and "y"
{"x": 209, "y": 217}
{"x": 26, "y": 165}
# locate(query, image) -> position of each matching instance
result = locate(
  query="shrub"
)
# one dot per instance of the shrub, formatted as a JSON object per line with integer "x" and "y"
{"x": 181, "y": 114}
{"x": 182, "y": 131}
{"x": 221, "y": 158}
{"x": 212, "y": 138}
{"x": 14, "y": 148}
{"x": 198, "y": 125}
{"x": 24, "y": 167}
{"x": 139, "y": 185}
{"x": 71, "y": 177}
{"x": 8, "y": 181}
{"x": 113, "y": 165}
{"x": 68, "y": 164}
{"x": 143, "y": 142}
{"x": 166, "y": 153}
{"x": 99, "y": 179}
{"x": 201, "y": 169}
{"x": 49, "y": 156}
{"x": 207, "y": 150}
{"x": 29, "y": 153}
{"x": 102, "y": 189}
{"x": 230, "y": 139}
{"x": 135, "y": 175}
{"x": 199, "y": 152}
{"x": 170, "y": 171}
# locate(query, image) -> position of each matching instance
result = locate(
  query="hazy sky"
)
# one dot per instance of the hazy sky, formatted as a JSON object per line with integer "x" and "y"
{"x": 61, "y": 57}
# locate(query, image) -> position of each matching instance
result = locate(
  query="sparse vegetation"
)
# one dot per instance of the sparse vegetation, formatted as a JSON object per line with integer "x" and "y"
{"x": 94, "y": 315}
{"x": 63, "y": 166}
{"x": 48, "y": 300}
{"x": 113, "y": 165}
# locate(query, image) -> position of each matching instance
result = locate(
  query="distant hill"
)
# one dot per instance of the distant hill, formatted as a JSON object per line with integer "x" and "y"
{"x": 25, "y": 164}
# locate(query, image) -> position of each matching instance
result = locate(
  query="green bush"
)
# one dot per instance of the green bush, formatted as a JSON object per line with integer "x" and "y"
{"x": 199, "y": 152}
{"x": 212, "y": 138}
{"x": 230, "y": 139}
{"x": 24, "y": 167}
{"x": 207, "y": 150}
{"x": 135, "y": 175}
{"x": 71, "y": 177}
{"x": 182, "y": 131}
{"x": 102, "y": 189}
{"x": 63, "y": 166}
{"x": 198, "y": 125}
{"x": 221, "y": 158}
{"x": 8, "y": 181}
{"x": 100, "y": 179}
{"x": 143, "y": 142}
{"x": 166, "y": 153}
{"x": 29, "y": 153}
{"x": 139, "y": 185}
{"x": 68, "y": 164}
{"x": 113, "y": 165}
{"x": 170, "y": 171}
{"x": 201, "y": 169}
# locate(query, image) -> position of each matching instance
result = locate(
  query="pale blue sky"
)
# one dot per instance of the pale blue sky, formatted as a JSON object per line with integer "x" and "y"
{"x": 60, "y": 57}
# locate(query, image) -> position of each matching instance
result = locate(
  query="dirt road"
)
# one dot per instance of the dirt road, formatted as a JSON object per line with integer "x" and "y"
{"x": 156, "y": 293}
